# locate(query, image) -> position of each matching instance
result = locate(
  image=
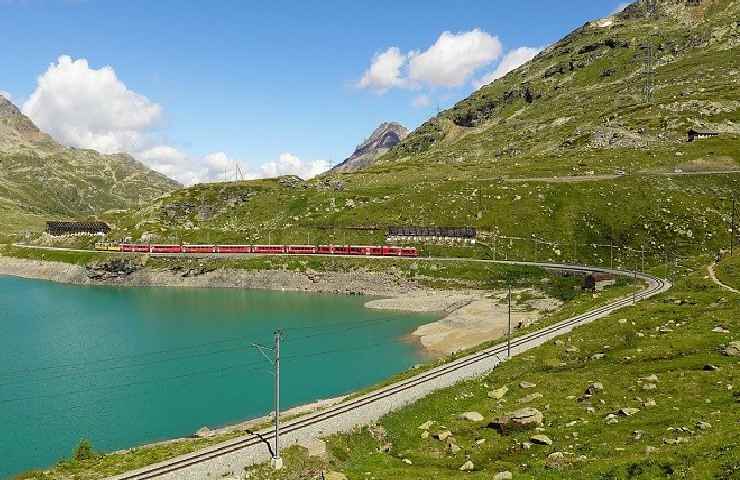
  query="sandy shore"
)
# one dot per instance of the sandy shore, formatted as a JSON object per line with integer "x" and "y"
{"x": 473, "y": 317}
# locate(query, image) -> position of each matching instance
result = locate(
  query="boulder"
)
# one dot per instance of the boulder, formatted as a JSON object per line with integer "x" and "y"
{"x": 498, "y": 393}
{"x": 652, "y": 378}
{"x": 703, "y": 425}
{"x": 527, "y": 385}
{"x": 443, "y": 435}
{"x": 468, "y": 466}
{"x": 710, "y": 368}
{"x": 627, "y": 411}
{"x": 522, "y": 419}
{"x": 541, "y": 440}
{"x": 732, "y": 349}
{"x": 505, "y": 475}
{"x": 471, "y": 417}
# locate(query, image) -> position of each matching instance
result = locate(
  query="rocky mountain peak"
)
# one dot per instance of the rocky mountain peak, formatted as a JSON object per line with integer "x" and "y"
{"x": 17, "y": 129}
{"x": 384, "y": 137}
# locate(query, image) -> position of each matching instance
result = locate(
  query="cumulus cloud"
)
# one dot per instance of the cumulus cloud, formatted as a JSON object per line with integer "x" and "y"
{"x": 91, "y": 108}
{"x": 449, "y": 62}
{"x": 511, "y": 61}
{"x": 385, "y": 71}
{"x": 86, "y": 107}
{"x": 289, "y": 164}
{"x": 5, "y": 94}
{"x": 453, "y": 58}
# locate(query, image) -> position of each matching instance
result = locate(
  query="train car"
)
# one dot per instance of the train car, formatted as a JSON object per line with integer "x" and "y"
{"x": 301, "y": 249}
{"x": 135, "y": 247}
{"x": 268, "y": 249}
{"x": 326, "y": 249}
{"x": 409, "y": 252}
{"x": 341, "y": 250}
{"x": 365, "y": 250}
{"x": 166, "y": 249}
{"x": 199, "y": 249}
{"x": 233, "y": 249}
{"x": 391, "y": 251}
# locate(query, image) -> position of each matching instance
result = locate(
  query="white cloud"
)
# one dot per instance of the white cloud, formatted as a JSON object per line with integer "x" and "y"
{"x": 620, "y": 7}
{"x": 385, "y": 71}
{"x": 91, "y": 108}
{"x": 511, "y": 61}
{"x": 7, "y": 95}
{"x": 289, "y": 164}
{"x": 421, "y": 101}
{"x": 450, "y": 62}
{"x": 453, "y": 58}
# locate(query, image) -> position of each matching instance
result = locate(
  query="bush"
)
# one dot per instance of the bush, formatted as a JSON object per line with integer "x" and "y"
{"x": 84, "y": 451}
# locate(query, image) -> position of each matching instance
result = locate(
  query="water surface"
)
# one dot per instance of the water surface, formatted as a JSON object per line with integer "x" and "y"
{"x": 126, "y": 366}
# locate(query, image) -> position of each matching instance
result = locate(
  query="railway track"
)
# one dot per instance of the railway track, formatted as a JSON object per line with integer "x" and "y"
{"x": 195, "y": 465}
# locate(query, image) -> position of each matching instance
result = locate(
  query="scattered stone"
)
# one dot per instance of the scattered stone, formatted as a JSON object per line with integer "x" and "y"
{"x": 505, "y": 475}
{"x": 426, "y": 425}
{"x": 593, "y": 388}
{"x": 471, "y": 417}
{"x": 703, "y": 425}
{"x": 652, "y": 378}
{"x": 732, "y": 349}
{"x": 443, "y": 435}
{"x": 522, "y": 419}
{"x": 628, "y": 411}
{"x": 649, "y": 386}
{"x": 650, "y": 402}
{"x": 453, "y": 447}
{"x": 571, "y": 349}
{"x": 541, "y": 440}
{"x": 468, "y": 466}
{"x": 498, "y": 393}
{"x": 622, "y": 321}
{"x": 530, "y": 398}
{"x": 425, "y": 434}
{"x": 720, "y": 329}
{"x": 597, "y": 356}
{"x": 527, "y": 385}
{"x": 637, "y": 434}
{"x": 204, "y": 432}
{"x": 611, "y": 418}
{"x": 675, "y": 441}
{"x": 710, "y": 368}
{"x": 480, "y": 441}
{"x": 407, "y": 461}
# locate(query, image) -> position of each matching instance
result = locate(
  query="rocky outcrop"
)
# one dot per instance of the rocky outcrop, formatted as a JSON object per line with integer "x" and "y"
{"x": 386, "y": 136}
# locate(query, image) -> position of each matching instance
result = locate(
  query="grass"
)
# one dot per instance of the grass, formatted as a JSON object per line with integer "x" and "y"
{"x": 728, "y": 271}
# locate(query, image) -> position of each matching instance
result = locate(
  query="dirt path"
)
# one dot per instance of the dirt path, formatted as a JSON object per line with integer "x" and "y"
{"x": 717, "y": 281}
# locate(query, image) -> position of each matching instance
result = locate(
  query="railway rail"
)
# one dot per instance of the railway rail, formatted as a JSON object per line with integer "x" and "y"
{"x": 234, "y": 455}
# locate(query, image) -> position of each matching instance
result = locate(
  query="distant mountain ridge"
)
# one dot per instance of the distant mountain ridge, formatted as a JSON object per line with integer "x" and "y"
{"x": 383, "y": 138}
{"x": 40, "y": 178}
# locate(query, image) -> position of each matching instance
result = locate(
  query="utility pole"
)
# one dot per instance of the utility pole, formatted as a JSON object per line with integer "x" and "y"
{"x": 732, "y": 227}
{"x": 634, "y": 292}
{"x": 494, "y": 246}
{"x": 611, "y": 253}
{"x": 643, "y": 258}
{"x": 277, "y": 461}
{"x": 508, "y": 341}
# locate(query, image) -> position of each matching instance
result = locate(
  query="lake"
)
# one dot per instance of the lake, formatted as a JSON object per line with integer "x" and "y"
{"x": 127, "y": 366}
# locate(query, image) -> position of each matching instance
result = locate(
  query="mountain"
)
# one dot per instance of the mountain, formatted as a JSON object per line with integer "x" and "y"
{"x": 383, "y": 138}
{"x": 639, "y": 78}
{"x": 538, "y": 153}
{"x": 39, "y": 178}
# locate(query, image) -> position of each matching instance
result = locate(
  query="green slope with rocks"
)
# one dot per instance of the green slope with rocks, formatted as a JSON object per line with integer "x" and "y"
{"x": 41, "y": 179}
{"x": 541, "y": 144}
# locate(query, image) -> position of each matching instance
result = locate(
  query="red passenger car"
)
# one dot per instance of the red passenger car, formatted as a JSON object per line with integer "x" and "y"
{"x": 301, "y": 249}
{"x": 198, "y": 249}
{"x": 268, "y": 249}
{"x": 166, "y": 249}
{"x": 135, "y": 247}
{"x": 233, "y": 249}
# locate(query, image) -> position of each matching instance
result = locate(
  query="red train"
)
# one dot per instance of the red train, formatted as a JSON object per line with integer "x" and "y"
{"x": 375, "y": 250}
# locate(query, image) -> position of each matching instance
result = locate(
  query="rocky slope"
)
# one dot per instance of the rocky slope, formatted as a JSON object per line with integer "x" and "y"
{"x": 383, "y": 138}
{"x": 39, "y": 178}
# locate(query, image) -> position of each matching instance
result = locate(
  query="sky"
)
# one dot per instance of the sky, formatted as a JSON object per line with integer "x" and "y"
{"x": 193, "y": 89}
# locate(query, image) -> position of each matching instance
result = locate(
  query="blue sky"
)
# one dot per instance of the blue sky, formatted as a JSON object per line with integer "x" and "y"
{"x": 255, "y": 80}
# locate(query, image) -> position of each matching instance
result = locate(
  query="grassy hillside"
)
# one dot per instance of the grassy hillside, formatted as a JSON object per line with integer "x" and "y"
{"x": 500, "y": 159}
{"x": 41, "y": 179}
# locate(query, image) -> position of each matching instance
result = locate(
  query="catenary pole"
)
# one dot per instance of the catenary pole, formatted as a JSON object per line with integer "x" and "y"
{"x": 277, "y": 461}
{"x": 508, "y": 342}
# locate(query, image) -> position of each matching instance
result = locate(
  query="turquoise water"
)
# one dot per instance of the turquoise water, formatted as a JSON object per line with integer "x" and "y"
{"x": 126, "y": 366}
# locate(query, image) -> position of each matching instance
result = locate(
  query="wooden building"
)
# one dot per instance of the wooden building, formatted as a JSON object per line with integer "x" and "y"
{"x": 696, "y": 135}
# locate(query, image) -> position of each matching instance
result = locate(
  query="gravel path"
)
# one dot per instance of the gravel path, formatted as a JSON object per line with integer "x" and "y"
{"x": 231, "y": 458}
{"x": 717, "y": 281}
